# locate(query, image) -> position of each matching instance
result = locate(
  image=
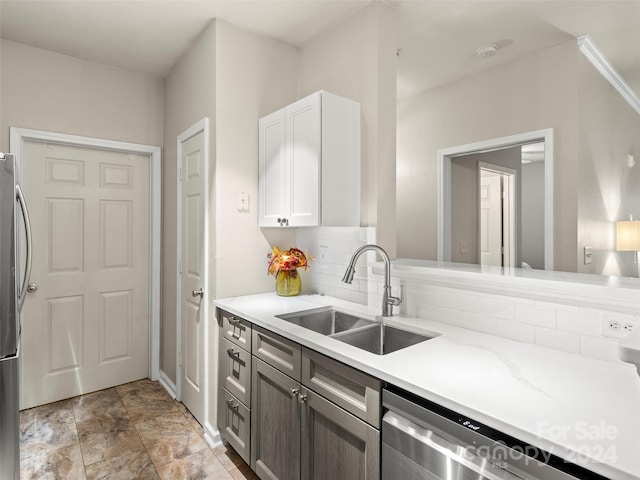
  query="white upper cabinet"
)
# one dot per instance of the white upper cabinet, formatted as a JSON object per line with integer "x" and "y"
{"x": 310, "y": 163}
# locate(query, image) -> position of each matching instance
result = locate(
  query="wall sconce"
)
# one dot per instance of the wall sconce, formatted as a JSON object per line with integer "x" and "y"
{"x": 628, "y": 237}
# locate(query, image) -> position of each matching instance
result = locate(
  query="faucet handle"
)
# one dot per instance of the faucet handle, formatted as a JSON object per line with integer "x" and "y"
{"x": 395, "y": 301}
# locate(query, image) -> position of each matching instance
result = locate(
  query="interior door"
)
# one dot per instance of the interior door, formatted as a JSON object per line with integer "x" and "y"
{"x": 87, "y": 326}
{"x": 490, "y": 218}
{"x": 193, "y": 273}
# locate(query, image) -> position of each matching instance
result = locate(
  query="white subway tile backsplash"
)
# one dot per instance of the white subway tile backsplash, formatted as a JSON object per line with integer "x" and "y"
{"x": 600, "y": 348}
{"x": 583, "y": 323}
{"x": 533, "y": 315}
{"x": 516, "y": 331}
{"x": 554, "y": 319}
{"x": 463, "y": 302}
{"x": 557, "y": 306}
{"x": 471, "y": 321}
{"x": 558, "y": 339}
{"x": 332, "y": 248}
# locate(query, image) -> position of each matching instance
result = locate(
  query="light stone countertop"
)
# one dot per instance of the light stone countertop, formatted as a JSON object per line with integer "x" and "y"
{"x": 584, "y": 410}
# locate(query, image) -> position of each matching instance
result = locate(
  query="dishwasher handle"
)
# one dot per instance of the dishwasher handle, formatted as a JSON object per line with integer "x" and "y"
{"x": 437, "y": 455}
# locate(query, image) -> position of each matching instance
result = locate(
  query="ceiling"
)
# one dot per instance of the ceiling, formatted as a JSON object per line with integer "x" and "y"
{"x": 437, "y": 39}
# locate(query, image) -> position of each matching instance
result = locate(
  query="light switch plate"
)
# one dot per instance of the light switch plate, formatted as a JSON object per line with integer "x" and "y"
{"x": 588, "y": 255}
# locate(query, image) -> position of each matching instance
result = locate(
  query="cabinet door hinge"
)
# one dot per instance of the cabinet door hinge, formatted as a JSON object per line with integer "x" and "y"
{"x": 180, "y": 360}
{"x": 180, "y": 173}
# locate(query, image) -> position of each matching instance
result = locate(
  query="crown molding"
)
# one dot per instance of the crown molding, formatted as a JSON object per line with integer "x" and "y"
{"x": 592, "y": 53}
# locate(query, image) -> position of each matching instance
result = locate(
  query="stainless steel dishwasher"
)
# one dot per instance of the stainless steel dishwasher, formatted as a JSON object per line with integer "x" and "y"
{"x": 425, "y": 441}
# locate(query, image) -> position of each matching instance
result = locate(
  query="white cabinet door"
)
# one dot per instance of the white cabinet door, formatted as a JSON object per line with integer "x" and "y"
{"x": 273, "y": 173}
{"x": 303, "y": 150}
{"x": 309, "y": 154}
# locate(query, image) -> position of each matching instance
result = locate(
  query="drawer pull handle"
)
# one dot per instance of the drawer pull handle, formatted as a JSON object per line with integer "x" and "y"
{"x": 233, "y": 353}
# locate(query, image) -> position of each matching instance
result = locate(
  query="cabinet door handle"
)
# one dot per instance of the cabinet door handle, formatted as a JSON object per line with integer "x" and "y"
{"x": 295, "y": 391}
{"x": 303, "y": 398}
{"x": 235, "y": 323}
{"x": 233, "y": 353}
{"x": 232, "y": 406}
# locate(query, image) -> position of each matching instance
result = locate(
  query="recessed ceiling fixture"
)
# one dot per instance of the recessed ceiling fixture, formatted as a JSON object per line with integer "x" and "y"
{"x": 488, "y": 50}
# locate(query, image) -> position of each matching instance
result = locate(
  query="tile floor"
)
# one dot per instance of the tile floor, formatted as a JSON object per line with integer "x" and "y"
{"x": 133, "y": 431}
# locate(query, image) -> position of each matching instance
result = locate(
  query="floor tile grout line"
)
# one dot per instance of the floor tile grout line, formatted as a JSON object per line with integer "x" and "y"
{"x": 75, "y": 425}
{"x": 155, "y": 468}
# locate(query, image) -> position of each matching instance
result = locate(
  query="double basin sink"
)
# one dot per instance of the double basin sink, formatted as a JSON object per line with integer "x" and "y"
{"x": 369, "y": 335}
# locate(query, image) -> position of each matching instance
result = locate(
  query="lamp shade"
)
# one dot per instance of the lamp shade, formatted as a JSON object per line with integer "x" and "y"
{"x": 628, "y": 236}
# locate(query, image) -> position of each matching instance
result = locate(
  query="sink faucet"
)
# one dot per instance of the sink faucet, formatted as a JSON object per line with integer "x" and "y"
{"x": 388, "y": 301}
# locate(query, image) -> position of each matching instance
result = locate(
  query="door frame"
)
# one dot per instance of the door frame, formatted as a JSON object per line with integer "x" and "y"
{"x": 444, "y": 157}
{"x": 195, "y": 129}
{"x": 18, "y": 136}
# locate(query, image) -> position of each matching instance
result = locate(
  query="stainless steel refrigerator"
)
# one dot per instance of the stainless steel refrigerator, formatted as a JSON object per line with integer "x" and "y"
{"x": 12, "y": 213}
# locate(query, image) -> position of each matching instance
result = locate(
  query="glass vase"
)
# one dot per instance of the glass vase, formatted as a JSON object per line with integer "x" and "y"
{"x": 288, "y": 283}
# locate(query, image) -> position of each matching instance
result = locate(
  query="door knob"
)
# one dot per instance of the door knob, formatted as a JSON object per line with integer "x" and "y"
{"x": 197, "y": 293}
{"x": 32, "y": 287}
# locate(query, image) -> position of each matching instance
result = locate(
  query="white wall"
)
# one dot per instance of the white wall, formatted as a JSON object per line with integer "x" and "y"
{"x": 44, "y": 90}
{"x": 255, "y": 75}
{"x": 357, "y": 60}
{"x": 609, "y": 130}
{"x": 536, "y": 92}
{"x": 532, "y": 235}
{"x": 233, "y": 77}
{"x": 189, "y": 97}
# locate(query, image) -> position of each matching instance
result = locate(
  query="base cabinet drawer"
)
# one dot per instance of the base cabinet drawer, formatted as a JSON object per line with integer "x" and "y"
{"x": 234, "y": 421}
{"x": 235, "y": 329}
{"x": 235, "y": 371}
{"x": 277, "y": 351}
{"x": 351, "y": 389}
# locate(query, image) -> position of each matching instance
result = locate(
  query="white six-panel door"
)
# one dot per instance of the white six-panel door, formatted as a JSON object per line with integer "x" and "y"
{"x": 193, "y": 273}
{"x": 86, "y": 327}
{"x": 490, "y": 218}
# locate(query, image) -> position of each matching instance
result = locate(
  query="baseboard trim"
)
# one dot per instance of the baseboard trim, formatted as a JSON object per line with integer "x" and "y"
{"x": 212, "y": 436}
{"x": 168, "y": 385}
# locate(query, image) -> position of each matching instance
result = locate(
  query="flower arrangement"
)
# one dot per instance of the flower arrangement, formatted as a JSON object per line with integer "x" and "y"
{"x": 287, "y": 260}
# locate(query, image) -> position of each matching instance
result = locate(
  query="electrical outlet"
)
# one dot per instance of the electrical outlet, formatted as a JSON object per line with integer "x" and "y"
{"x": 619, "y": 326}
